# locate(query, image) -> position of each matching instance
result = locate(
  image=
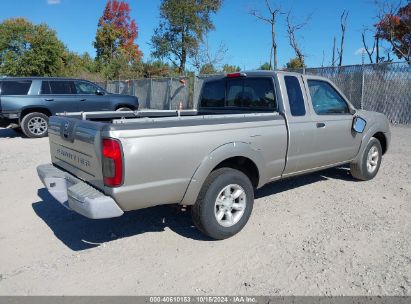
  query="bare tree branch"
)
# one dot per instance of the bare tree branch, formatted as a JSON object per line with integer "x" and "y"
{"x": 343, "y": 21}
{"x": 369, "y": 53}
{"x": 205, "y": 56}
{"x": 291, "y": 31}
{"x": 271, "y": 19}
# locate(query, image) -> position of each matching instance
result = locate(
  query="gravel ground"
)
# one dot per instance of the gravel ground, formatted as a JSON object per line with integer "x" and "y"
{"x": 320, "y": 234}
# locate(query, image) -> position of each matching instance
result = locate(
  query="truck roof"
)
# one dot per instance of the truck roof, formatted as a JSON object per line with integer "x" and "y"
{"x": 253, "y": 73}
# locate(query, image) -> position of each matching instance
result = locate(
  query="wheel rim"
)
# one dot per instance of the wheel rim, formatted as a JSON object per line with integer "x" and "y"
{"x": 37, "y": 125}
{"x": 230, "y": 205}
{"x": 372, "y": 159}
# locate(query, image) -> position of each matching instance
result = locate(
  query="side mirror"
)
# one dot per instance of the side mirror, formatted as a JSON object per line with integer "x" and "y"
{"x": 359, "y": 124}
{"x": 99, "y": 92}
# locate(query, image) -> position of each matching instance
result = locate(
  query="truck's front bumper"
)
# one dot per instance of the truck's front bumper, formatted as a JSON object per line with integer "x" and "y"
{"x": 77, "y": 195}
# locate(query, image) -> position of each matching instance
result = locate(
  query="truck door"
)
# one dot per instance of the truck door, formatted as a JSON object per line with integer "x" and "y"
{"x": 301, "y": 130}
{"x": 334, "y": 140}
{"x": 59, "y": 96}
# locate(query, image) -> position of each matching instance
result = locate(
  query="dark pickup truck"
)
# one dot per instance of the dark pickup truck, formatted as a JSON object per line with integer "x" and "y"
{"x": 29, "y": 102}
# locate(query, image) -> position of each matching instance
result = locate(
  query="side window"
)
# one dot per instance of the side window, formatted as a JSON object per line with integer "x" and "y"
{"x": 62, "y": 87}
{"x": 15, "y": 87}
{"x": 213, "y": 94}
{"x": 83, "y": 87}
{"x": 295, "y": 96}
{"x": 326, "y": 99}
{"x": 45, "y": 88}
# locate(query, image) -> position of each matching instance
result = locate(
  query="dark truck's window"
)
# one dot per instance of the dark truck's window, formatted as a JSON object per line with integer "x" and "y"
{"x": 62, "y": 87}
{"x": 295, "y": 96}
{"x": 83, "y": 87}
{"x": 326, "y": 99}
{"x": 244, "y": 93}
{"x": 15, "y": 87}
{"x": 45, "y": 87}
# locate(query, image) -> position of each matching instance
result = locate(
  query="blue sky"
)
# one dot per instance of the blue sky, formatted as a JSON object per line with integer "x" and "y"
{"x": 247, "y": 39}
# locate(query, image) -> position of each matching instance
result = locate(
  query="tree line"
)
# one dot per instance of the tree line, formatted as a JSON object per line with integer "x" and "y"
{"x": 179, "y": 41}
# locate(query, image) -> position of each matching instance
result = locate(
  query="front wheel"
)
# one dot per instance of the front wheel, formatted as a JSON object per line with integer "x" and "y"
{"x": 224, "y": 204}
{"x": 370, "y": 161}
{"x": 35, "y": 125}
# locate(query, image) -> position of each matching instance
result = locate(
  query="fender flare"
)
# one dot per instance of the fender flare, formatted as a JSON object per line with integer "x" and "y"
{"x": 34, "y": 108}
{"x": 375, "y": 128}
{"x": 220, "y": 154}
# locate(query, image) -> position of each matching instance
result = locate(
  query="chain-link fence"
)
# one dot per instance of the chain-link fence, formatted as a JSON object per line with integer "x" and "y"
{"x": 384, "y": 87}
{"x": 154, "y": 93}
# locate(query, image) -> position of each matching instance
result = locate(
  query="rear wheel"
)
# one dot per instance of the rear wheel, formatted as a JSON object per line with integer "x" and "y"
{"x": 224, "y": 204}
{"x": 35, "y": 125}
{"x": 369, "y": 164}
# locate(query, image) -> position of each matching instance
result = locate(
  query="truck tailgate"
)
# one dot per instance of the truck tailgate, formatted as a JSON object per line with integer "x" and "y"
{"x": 75, "y": 146}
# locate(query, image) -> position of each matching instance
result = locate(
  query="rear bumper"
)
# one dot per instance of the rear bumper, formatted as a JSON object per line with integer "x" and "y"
{"x": 77, "y": 195}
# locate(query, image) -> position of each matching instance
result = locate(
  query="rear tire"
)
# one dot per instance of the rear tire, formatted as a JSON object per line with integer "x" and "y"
{"x": 35, "y": 125}
{"x": 369, "y": 163}
{"x": 224, "y": 204}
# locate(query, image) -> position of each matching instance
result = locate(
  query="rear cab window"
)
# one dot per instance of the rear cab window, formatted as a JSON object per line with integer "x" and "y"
{"x": 15, "y": 87}
{"x": 244, "y": 94}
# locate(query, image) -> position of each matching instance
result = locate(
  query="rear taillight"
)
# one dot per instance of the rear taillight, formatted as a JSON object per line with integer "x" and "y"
{"x": 112, "y": 163}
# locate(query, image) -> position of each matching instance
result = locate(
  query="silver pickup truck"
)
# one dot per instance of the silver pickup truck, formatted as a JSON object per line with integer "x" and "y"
{"x": 248, "y": 129}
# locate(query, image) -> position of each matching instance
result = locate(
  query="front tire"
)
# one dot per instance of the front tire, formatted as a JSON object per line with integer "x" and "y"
{"x": 224, "y": 204}
{"x": 35, "y": 125}
{"x": 369, "y": 164}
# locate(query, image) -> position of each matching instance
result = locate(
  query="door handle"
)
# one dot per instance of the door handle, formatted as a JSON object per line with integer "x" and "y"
{"x": 84, "y": 99}
{"x": 49, "y": 99}
{"x": 320, "y": 125}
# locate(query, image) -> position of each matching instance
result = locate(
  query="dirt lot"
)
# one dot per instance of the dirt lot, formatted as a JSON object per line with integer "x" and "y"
{"x": 321, "y": 234}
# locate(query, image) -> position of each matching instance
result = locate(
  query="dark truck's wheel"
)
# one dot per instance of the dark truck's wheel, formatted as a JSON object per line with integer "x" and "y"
{"x": 369, "y": 164}
{"x": 35, "y": 125}
{"x": 122, "y": 109}
{"x": 224, "y": 204}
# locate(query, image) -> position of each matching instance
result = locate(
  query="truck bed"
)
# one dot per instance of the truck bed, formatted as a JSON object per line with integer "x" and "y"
{"x": 152, "y": 142}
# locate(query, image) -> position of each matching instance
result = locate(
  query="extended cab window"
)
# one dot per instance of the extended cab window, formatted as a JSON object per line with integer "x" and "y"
{"x": 295, "y": 96}
{"x": 326, "y": 99}
{"x": 62, "y": 87}
{"x": 15, "y": 87}
{"x": 241, "y": 93}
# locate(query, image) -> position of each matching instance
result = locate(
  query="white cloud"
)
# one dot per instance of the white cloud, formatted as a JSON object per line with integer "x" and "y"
{"x": 362, "y": 50}
{"x": 52, "y": 2}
